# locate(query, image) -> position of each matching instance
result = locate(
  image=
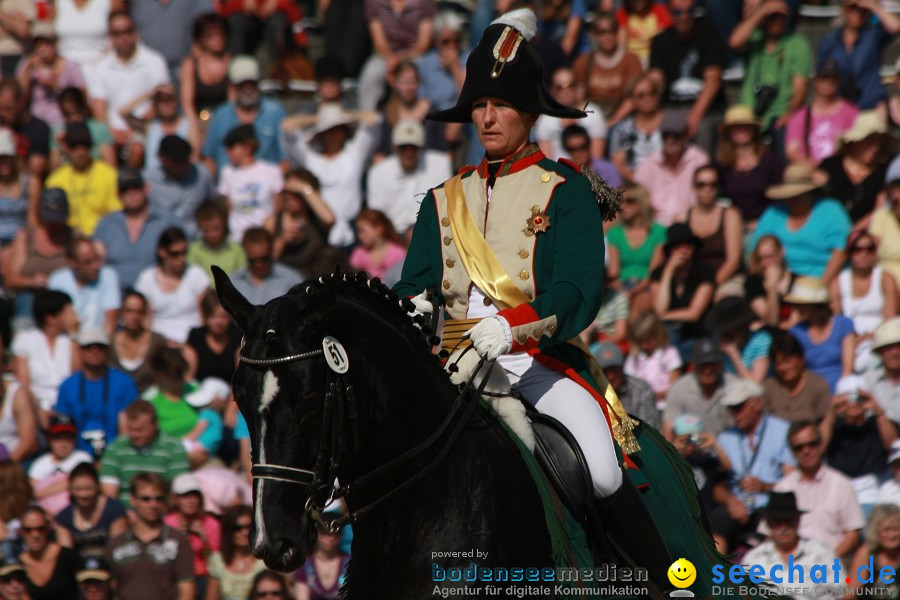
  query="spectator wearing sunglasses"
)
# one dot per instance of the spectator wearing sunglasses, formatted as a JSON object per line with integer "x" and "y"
{"x": 44, "y": 555}
{"x": 831, "y": 512}
{"x": 268, "y": 585}
{"x": 13, "y": 580}
{"x": 232, "y": 569}
{"x": 263, "y": 279}
{"x": 151, "y": 560}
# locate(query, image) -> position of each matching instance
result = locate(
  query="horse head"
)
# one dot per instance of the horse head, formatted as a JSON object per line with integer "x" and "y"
{"x": 280, "y": 387}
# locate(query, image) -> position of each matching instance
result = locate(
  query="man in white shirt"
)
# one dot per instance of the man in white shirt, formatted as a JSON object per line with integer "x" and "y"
{"x": 94, "y": 289}
{"x": 128, "y": 72}
{"x": 396, "y": 185}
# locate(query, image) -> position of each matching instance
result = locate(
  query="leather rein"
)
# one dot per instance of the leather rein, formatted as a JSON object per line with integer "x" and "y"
{"x": 340, "y": 401}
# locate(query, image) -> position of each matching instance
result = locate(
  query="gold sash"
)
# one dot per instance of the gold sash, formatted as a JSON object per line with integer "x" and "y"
{"x": 488, "y": 274}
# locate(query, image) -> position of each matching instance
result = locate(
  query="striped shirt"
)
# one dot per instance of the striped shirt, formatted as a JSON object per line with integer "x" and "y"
{"x": 123, "y": 460}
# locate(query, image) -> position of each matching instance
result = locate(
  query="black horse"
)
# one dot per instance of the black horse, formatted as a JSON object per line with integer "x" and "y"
{"x": 310, "y": 423}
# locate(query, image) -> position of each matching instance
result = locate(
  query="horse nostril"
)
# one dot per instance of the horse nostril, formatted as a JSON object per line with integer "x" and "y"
{"x": 284, "y": 551}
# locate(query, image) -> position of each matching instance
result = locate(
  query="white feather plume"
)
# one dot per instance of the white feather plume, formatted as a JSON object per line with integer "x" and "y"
{"x": 522, "y": 19}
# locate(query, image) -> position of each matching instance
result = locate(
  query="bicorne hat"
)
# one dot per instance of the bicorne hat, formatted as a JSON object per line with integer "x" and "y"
{"x": 504, "y": 65}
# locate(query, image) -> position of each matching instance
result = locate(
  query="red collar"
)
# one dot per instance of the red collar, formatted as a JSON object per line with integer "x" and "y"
{"x": 521, "y": 160}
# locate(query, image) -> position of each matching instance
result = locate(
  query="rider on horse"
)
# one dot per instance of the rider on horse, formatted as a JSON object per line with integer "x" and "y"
{"x": 515, "y": 249}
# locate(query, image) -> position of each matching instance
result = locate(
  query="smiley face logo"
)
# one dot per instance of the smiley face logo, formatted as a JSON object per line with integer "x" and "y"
{"x": 682, "y": 573}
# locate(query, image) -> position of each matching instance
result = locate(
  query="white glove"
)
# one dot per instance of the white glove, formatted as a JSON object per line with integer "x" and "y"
{"x": 491, "y": 337}
{"x": 423, "y": 305}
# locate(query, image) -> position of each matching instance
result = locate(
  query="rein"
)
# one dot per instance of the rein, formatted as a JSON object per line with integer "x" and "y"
{"x": 333, "y": 410}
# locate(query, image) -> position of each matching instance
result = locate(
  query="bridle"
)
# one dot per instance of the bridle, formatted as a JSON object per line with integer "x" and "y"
{"x": 340, "y": 400}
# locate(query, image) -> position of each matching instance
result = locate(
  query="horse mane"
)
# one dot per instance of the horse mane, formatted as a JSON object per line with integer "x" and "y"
{"x": 377, "y": 298}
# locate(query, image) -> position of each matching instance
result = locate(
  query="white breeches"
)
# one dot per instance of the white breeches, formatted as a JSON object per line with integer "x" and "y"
{"x": 554, "y": 394}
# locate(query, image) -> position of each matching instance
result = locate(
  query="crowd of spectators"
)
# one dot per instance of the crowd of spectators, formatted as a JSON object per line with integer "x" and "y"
{"x": 751, "y": 292}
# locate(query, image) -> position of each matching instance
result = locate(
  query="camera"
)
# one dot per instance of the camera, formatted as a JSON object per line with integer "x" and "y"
{"x": 96, "y": 438}
{"x": 694, "y": 439}
{"x": 765, "y": 95}
{"x": 853, "y": 397}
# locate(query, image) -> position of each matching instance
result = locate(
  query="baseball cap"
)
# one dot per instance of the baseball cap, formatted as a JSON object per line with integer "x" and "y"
{"x": 609, "y": 355}
{"x": 54, "y": 206}
{"x": 95, "y": 569}
{"x": 92, "y": 335}
{"x": 78, "y": 133}
{"x": 243, "y": 68}
{"x": 408, "y": 133}
{"x": 674, "y": 121}
{"x": 328, "y": 67}
{"x": 705, "y": 351}
{"x": 61, "y": 424}
{"x": 129, "y": 179}
{"x": 242, "y": 134}
{"x": 740, "y": 392}
{"x": 185, "y": 483}
{"x": 687, "y": 424}
{"x": 10, "y": 565}
{"x": 210, "y": 389}
{"x": 175, "y": 148}
{"x": 849, "y": 384}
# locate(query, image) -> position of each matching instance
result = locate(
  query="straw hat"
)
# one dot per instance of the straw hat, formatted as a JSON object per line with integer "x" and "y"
{"x": 330, "y": 115}
{"x": 798, "y": 180}
{"x": 887, "y": 334}
{"x": 867, "y": 123}
{"x": 807, "y": 290}
{"x": 739, "y": 114}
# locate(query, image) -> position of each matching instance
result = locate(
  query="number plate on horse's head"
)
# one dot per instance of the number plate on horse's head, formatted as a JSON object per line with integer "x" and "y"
{"x": 335, "y": 355}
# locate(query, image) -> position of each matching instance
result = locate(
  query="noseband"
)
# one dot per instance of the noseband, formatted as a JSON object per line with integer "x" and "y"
{"x": 334, "y": 407}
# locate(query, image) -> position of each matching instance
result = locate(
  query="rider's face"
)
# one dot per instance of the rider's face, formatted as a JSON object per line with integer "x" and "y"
{"x": 502, "y": 128}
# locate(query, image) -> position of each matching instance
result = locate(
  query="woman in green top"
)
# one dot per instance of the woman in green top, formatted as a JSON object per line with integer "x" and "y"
{"x": 635, "y": 245}
{"x": 176, "y": 417}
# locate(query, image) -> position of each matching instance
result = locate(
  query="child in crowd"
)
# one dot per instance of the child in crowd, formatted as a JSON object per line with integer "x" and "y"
{"x": 639, "y": 21}
{"x": 652, "y": 358}
{"x": 379, "y": 245}
{"x": 214, "y": 247}
{"x": 249, "y": 185}
{"x": 49, "y": 474}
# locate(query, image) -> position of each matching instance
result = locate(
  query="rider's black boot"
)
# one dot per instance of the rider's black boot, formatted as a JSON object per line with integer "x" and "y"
{"x": 631, "y": 527}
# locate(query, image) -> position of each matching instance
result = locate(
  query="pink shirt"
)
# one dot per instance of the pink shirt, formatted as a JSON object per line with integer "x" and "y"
{"x": 830, "y": 504}
{"x": 671, "y": 192}
{"x": 654, "y": 368}
{"x": 824, "y": 131}
{"x": 361, "y": 260}
{"x": 199, "y": 548}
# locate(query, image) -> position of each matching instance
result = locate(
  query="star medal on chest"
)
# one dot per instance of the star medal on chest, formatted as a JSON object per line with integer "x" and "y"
{"x": 538, "y": 222}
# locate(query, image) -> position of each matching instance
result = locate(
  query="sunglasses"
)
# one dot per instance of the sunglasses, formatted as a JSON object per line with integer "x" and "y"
{"x": 863, "y": 249}
{"x": 259, "y": 260}
{"x": 27, "y": 530}
{"x": 165, "y": 98}
{"x": 242, "y": 527}
{"x": 17, "y": 577}
{"x": 804, "y": 445}
{"x": 579, "y": 148}
{"x": 176, "y": 253}
{"x": 706, "y": 184}
{"x": 152, "y": 498}
{"x": 264, "y": 593}
{"x": 604, "y": 31}
{"x": 118, "y": 32}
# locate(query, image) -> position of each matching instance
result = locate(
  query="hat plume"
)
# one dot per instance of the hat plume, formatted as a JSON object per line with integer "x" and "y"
{"x": 522, "y": 19}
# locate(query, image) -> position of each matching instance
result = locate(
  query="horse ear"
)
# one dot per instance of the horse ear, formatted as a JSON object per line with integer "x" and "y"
{"x": 232, "y": 301}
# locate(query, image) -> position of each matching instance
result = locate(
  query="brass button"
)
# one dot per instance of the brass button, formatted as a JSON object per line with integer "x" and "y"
{"x": 529, "y": 295}
{"x": 551, "y": 328}
{"x": 446, "y": 285}
{"x": 445, "y": 221}
{"x": 528, "y": 233}
{"x": 523, "y": 254}
{"x": 523, "y": 337}
{"x": 524, "y": 275}
{"x": 449, "y": 303}
{"x": 447, "y": 240}
{"x": 487, "y": 301}
{"x": 545, "y": 177}
{"x": 462, "y": 301}
{"x": 538, "y": 333}
{"x": 450, "y": 262}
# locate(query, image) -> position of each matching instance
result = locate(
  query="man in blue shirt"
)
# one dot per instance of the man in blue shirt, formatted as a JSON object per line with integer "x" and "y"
{"x": 94, "y": 289}
{"x": 248, "y": 106}
{"x": 96, "y": 397}
{"x": 263, "y": 279}
{"x": 130, "y": 235}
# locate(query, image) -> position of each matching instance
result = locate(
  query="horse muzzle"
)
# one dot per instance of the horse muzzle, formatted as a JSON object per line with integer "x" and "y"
{"x": 282, "y": 552}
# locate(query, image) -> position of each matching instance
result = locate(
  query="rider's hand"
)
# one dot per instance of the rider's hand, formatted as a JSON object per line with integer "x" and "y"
{"x": 423, "y": 305}
{"x": 491, "y": 337}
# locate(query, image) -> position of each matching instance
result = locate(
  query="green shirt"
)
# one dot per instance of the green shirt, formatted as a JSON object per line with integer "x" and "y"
{"x": 230, "y": 257}
{"x": 176, "y": 418}
{"x": 792, "y": 56}
{"x": 634, "y": 263}
{"x": 122, "y": 461}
